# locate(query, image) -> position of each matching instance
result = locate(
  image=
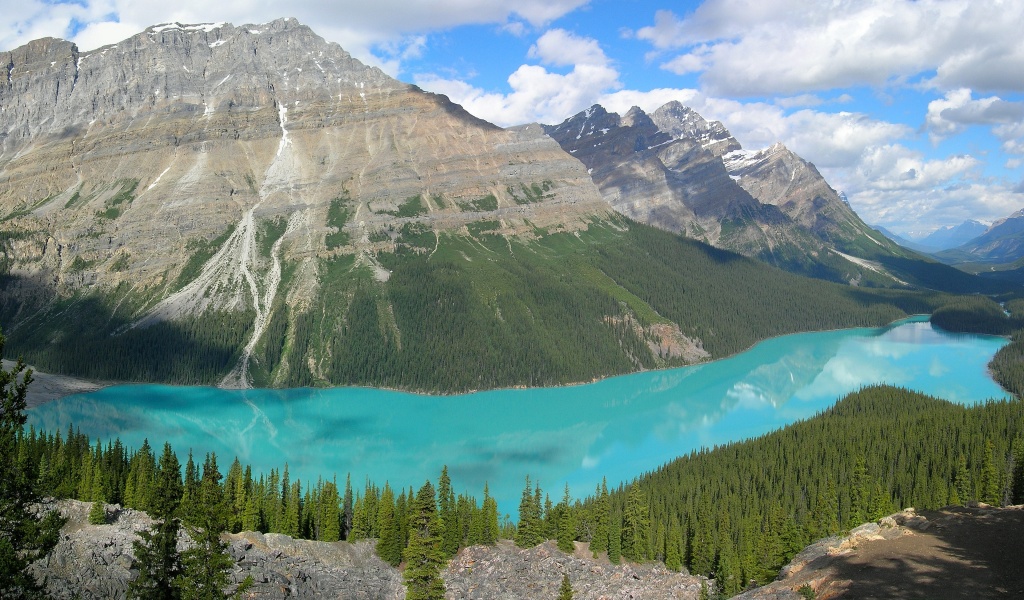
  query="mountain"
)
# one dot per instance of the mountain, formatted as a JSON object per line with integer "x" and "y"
{"x": 1001, "y": 243}
{"x": 952, "y": 236}
{"x": 679, "y": 172}
{"x": 252, "y": 206}
{"x": 901, "y": 240}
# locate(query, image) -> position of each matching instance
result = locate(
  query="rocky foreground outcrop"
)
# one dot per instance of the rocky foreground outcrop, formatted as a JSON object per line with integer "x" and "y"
{"x": 94, "y": 562}
{"x": 505, "y": 572}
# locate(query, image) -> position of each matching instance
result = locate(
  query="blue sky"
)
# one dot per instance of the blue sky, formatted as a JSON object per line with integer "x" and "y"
{"x": 914, "y": 109}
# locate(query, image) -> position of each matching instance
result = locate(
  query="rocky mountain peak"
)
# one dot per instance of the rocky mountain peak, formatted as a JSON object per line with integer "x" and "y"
{"x": 676, "y": 170}
{"x": 681, "y": 121}
{"x": 635, "y": 117}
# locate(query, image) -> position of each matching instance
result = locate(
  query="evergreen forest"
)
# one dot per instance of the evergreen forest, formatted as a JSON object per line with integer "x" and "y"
{"x": 462, "y": 311}
{"x": 735, "y": 513}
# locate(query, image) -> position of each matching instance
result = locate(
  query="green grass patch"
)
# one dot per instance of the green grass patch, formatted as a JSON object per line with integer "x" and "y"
{"x": 76, "y": 199}
{"x": 79, "y": 264}
{"x": 28, "y": 208}
{"x": 121, "y": 263}
{"x": 412, "y": 207}
{"x": 529, "y": 194}
{"x": 417, "y": 235}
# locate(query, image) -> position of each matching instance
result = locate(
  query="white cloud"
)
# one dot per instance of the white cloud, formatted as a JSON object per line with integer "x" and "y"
{"x": 759, "y": 47}
{"x": 622, "y": 100}
{"x": 358, "y": 26}
{"x": 958, "y": 110}
{"x": 537, "y": 94}
{"x": 560, "y": 48}
{"x": 895, "y": 186}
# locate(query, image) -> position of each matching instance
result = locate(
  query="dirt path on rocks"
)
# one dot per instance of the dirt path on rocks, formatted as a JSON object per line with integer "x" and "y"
{"x": 953, "y": 553}
{"x": 961, "y": 553}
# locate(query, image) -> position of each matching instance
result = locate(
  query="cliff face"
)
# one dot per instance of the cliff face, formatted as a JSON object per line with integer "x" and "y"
{"x": 677, "y": 171}
{"x": 199, "y": 167}
{"x": 120, "y": 157}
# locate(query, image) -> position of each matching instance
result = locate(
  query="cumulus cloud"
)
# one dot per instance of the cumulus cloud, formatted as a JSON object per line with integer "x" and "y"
{"x": 767, "y": 47}
{"x": 537, "y": 94}
{"x": 561, "y": 48}
{"x": 958, "y": 110}
{"x": 900, "y": 188}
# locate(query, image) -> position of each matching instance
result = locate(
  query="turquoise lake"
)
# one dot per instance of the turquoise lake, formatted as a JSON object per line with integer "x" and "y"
{"x": 616, "y": 428}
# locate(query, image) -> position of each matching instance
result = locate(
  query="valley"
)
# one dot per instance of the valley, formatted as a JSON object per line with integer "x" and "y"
{"x": 316, "y": 271}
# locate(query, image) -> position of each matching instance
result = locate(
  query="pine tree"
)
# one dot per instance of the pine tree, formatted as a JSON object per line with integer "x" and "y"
{"x": 156, "y": 553}
{"x": 636, "y": 524}
{"x": 293, "y": 511}
{"x": 158, "y": 563}
{"x": 191, "y": 503}
{"x": 205, "y": 566}
{"x": 566, "y": 524}
{"x": 727, "y": 573}
{"x": 859, "y": 493}
{"x": 991, "y": 484}
{"x": 98, "y": 513}
{"x": 251, "y": 518}
{"x": 703, "y": 548}
{"x": 565, "y": 591}
{"x": 346, "y": 508}
{"x": 602, "y": 518}
{"x": 24, "y": 536}
{"x": 1017, "y": 477}
{"x": 615, "y": 539}
{"x": 962, "y": 484}
{"x": 330, "y": 514}
{"x": 673, "y": 547}
{"x": 447, "y": 513}
{"x": 491, "y": 529}
{"x": 424, "y": 557}
{"x": 528, "y": 530}
{"x": 390, "y": 544}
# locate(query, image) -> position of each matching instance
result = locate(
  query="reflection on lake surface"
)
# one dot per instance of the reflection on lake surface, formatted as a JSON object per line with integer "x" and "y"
{"x": 618, "y": 428}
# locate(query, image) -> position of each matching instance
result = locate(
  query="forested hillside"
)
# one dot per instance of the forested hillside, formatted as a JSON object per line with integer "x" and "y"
{"x": 470, "y": 311}
{"x": 741, "y": 511}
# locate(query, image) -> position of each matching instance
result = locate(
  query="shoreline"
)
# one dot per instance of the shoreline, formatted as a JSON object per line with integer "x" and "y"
{"x": 47, "y": 387}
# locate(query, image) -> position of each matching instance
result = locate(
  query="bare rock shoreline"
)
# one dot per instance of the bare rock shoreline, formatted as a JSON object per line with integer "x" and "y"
{"x": 46, "y": 387}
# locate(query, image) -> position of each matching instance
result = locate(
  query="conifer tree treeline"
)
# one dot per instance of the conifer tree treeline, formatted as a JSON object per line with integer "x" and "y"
{"x": 24, "y": 534}
{"x": 736, "y": 512}
{"x": 407, "y": 525}
{"x": 740, "y": 511}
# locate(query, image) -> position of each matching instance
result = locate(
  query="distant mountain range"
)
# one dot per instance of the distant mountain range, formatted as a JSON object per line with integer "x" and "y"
{"x": 1003, "y": 242}
{"x": 952, "y": 236}
{"x": 943, "y": 238}
{"x": 252, "y": 206}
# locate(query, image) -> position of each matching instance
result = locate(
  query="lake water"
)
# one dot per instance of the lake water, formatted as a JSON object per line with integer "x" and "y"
{"x": 617, "y": 428}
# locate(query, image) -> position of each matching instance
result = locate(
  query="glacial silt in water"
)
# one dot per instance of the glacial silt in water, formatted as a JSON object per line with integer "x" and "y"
{"x": 616, "y": 428}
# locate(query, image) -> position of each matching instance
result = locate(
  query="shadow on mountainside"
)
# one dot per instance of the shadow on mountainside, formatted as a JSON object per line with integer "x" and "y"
{"x": 91, "y": 335}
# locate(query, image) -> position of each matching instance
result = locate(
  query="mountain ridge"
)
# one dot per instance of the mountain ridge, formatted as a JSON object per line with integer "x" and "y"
{"x": 677, "y": 171}
{"x": 252, "y": 206}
